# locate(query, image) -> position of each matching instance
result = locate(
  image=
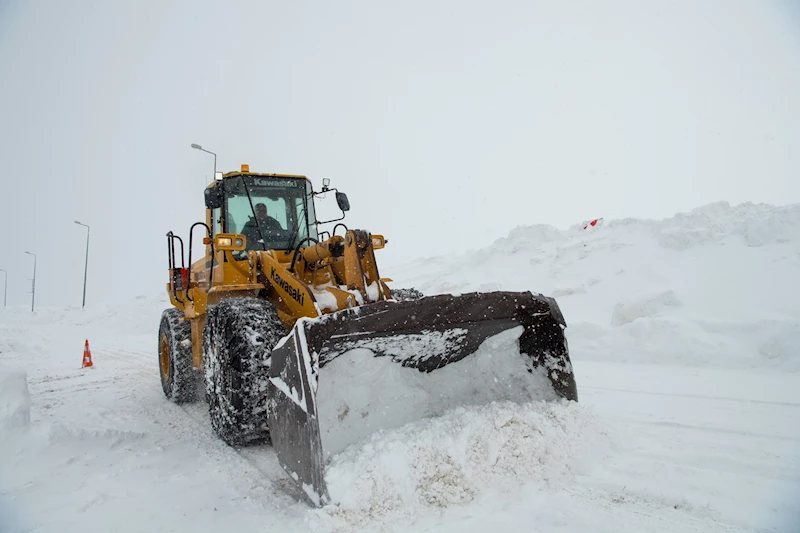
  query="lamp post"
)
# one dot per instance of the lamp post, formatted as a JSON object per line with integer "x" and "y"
{"x": 33, "y": 287}
{"x": 5, "y": 287}
{"x": 198, "y": 147}
{"x": 86, "y": 263}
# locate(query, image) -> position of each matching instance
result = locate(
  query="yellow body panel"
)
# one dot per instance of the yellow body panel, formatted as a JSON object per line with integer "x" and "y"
{"x": 293, "y": 297}
{"x": 341, "y": 270}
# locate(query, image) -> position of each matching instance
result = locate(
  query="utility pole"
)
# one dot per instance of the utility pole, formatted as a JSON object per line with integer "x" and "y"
{"x": 86, "y": 263}
{"x": 33, "y": 286}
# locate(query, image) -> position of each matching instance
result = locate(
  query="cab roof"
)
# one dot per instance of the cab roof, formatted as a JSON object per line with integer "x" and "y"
{"x": 269, "y": 175}
{"x": 245, "y": 171}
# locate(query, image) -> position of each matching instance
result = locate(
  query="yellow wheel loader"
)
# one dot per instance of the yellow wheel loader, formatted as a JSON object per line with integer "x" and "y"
{"x": 297, "y": 340}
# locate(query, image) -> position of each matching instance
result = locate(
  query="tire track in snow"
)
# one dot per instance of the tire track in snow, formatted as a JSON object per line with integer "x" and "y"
{"x": 261, "y": 459}
{"x": 647, "y": 512}
{"x": 737, "y": 432}
{"x": 697, "y": 396}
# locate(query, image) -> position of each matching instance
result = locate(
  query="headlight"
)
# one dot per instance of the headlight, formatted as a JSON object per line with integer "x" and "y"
{"x": 378, "y": 242}
{"x": 230, "y": 241}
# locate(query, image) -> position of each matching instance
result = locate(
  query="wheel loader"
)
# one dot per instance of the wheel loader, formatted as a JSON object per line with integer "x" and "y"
{"x": 292, "y": 337}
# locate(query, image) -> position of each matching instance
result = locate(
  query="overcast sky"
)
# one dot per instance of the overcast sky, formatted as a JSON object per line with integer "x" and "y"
{"x": 447, "y": 123}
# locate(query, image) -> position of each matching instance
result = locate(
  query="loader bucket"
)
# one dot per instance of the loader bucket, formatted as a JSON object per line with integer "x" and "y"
{"x": 336, "y": 379}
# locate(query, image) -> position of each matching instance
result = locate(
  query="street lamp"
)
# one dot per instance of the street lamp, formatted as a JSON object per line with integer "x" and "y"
{"x": 5, "y": 287}
{"x": 33, "y": 287}
{"x": 86, "y": 263}
{"x": 198, "y": 147}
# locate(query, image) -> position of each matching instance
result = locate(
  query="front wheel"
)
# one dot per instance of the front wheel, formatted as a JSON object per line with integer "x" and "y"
{"x": 237, "y": 346}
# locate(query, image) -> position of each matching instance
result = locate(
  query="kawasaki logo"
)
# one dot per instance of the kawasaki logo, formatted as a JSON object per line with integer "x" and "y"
{"x": 272, "y": 182}
{"x": 296, "y": 294}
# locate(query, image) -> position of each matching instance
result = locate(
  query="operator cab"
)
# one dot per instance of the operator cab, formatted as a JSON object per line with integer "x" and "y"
{"x": 274, "y": 212}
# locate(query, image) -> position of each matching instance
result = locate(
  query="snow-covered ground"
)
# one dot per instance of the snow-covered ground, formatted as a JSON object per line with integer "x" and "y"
{"x": 684, "y": 334}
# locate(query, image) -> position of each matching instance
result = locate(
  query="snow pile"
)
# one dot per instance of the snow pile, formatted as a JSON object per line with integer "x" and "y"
{"x": 15, "y": 402}
{"x": 128, "y": 322}
{"x": 138, "y": 317}
{"x": 468, "y": 453}
{"x": 713, "y": 287}
{"x": 752, "y": 224}
{"x": 645, "y": 306}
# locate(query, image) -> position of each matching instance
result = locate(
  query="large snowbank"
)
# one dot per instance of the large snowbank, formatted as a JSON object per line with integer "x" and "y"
{"x": 715, "y": 286}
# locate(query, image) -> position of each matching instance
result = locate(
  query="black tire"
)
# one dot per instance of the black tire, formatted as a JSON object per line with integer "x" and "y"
{"x": 179, "y": 379}
{"x": 237, "y": 346}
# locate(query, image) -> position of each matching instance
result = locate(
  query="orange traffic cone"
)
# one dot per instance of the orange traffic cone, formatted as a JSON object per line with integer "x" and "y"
{"x": 87, "y": 355}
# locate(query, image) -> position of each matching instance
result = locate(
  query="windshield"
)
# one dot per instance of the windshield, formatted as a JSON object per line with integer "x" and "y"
{"x": 278, "y": 217}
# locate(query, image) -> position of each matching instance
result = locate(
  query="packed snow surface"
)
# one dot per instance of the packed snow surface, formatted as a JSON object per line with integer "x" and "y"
{"x": 684, "y": 335}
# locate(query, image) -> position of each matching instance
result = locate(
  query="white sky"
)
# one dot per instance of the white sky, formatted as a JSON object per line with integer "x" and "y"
{"x": 447, "y": 123}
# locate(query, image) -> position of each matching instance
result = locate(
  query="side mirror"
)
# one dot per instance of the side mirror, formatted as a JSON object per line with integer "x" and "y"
{"x": 344, "y": 203}
{"x": 214, "y": 197}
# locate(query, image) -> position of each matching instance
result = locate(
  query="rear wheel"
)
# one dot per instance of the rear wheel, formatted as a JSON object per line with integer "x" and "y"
{"x": 237, "y": 346}
{"x": 179, "y": 379}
